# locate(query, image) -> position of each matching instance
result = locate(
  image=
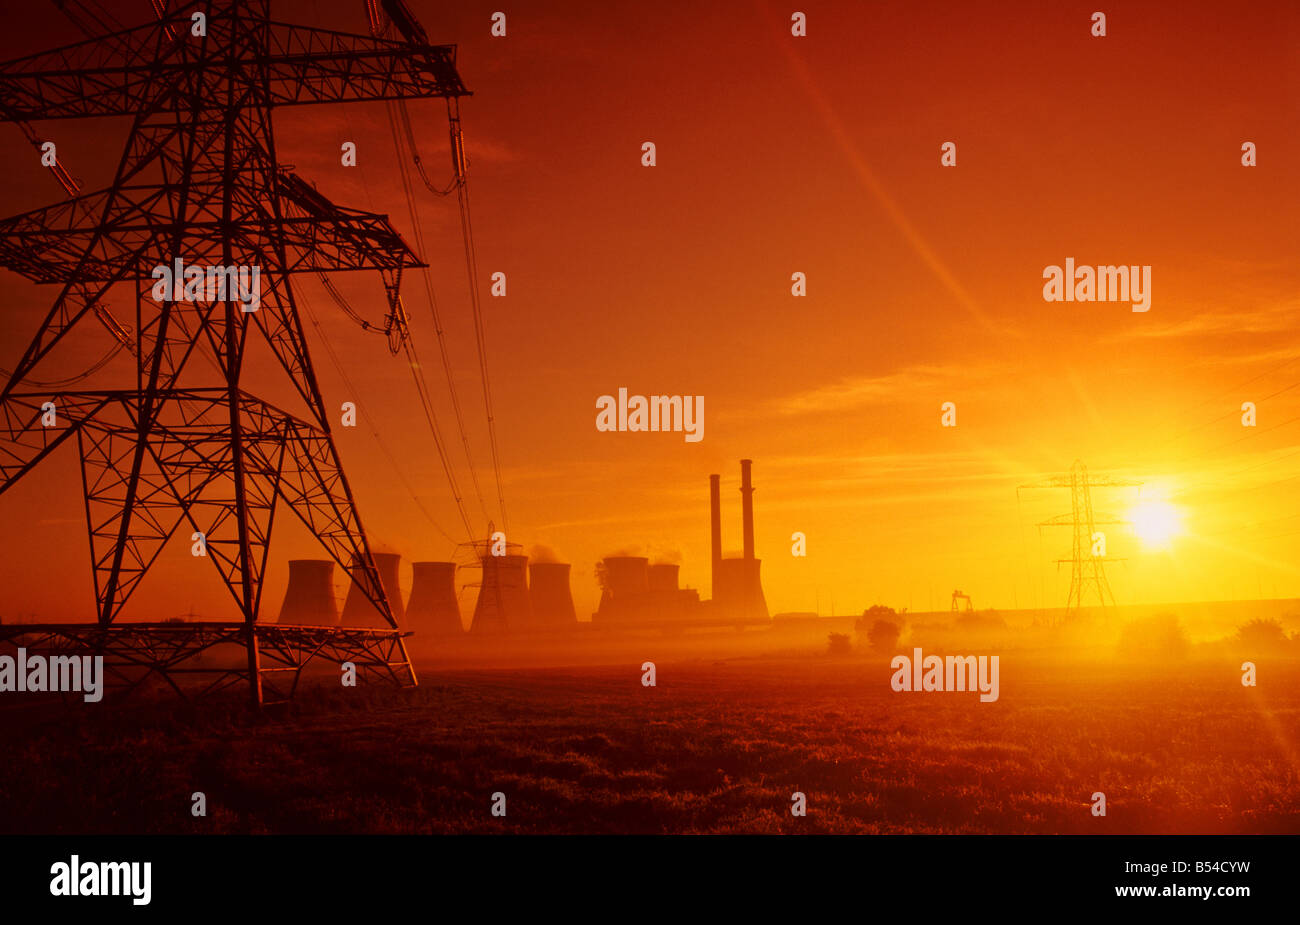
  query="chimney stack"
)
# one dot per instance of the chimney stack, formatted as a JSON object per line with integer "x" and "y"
{"x": 715, "y": 529}
{"x": 747, "y": 510}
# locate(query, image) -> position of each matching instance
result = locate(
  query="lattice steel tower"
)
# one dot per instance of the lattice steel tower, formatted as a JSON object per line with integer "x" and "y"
{"x": 1087, "y": 571}
{"x": 187, "y": 445}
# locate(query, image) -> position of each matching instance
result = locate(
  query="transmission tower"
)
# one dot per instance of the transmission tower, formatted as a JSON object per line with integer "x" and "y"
{"x": 1087, "y": 565}
{"x": 187, "y": 445}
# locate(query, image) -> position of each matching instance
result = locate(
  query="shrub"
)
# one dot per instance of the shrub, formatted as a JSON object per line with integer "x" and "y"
{"x": 1262, "y": 634}
{"x": 839, "y": 644}
{"x": 1158, "y": 636}
{"x": 883, "y": 636}
{"x": 874, "y": 614}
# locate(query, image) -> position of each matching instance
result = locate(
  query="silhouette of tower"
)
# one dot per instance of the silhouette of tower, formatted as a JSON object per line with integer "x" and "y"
{"x": 433, "y": 609}
{"x": 309, "y": 600}
{"x": 548, "y": 588}
{"x": 503, "y": 604}
{"x": 737, "y": 583}
{"x": 186, "y": 447}
{"x": 359, "y": 609}
{"x": 1087, "y": 569}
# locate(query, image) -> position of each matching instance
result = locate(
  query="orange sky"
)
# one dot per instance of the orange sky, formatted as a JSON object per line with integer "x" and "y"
{"x": 820, "y": 155}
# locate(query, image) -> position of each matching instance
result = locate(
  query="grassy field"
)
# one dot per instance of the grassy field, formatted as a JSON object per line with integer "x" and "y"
{"x": 717, "y": 746}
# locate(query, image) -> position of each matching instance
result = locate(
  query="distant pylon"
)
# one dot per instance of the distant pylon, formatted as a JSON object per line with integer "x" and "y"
{"x": 1087, "y": 564}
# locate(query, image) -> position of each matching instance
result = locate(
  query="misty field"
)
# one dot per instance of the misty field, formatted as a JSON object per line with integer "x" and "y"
{"x": 715, "y": 747}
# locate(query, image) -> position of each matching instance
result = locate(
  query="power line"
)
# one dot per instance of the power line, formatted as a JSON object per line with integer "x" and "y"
{"x": 352, "y": 389}
{"x": 471, "y": 267}
{"x": 381, "y": 23}
{"x": 426, "y": 276}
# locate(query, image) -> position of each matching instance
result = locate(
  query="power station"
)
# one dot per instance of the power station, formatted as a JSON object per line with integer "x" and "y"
{"x": 636, "y": 592}
{"x": 516, "y": 596}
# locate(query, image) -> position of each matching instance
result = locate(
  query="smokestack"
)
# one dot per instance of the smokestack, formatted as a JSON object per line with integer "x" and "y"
{"x": 503, "y": 603}
{"x": 747, "y": 511}
{"x": 548, "y": 587}
{"x": 357, "y": 609}
{"x": 715, "y": 530}
{"x": 309, "y": 600}
{"x": 433, "y": 608}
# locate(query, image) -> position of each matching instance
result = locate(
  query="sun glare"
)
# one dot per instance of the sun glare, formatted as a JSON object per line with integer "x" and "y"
{"x": 1156, "y": 523}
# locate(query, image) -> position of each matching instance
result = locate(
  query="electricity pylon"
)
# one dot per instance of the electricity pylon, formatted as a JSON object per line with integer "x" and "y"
{"x": 187, "y": 444}
{"x": 1087, "y": 563}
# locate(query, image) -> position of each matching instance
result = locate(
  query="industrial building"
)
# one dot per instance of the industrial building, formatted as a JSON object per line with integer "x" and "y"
{"x": 633, "y": 591}
{"x": 737, "y": 585}
{"x": 515, "y": 596}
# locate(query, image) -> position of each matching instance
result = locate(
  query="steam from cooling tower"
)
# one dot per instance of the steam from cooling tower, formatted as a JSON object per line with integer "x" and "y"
{"x": 539, "y": 553}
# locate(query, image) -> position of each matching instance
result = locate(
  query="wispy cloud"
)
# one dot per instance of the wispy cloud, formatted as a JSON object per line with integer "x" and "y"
{"x": 1270, "y": 319}
{"x": 857, "y": 391}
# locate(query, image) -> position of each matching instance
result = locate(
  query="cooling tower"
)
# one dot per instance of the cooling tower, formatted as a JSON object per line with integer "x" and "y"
{"x": 626, "y": 576}
{"x": 625, "y": 588}
{"x": 741, "y": 593}
{"x": 309, "y": 601}
{"x": 548, "y": 587}
{"x": 433, "y": 609}
{"x": 357, "y": 609}
{"x": 663, "y": 577}
{"x": 503, "y": 603}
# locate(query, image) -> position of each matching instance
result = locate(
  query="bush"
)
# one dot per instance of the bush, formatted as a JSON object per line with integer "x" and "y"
{"x": 883, "y": 636}
{"x": 873, "y": 615}
{"x": 1262, "y": 634}
{"x": 839, "y": 644}
{"x": 1158, "y": 636}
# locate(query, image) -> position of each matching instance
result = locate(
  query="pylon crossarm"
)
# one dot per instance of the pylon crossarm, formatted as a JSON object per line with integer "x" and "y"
{"x": 121, "y": 73}
{"x": 34, "y": 424}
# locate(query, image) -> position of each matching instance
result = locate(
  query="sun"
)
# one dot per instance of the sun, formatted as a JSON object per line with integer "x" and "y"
{"x": 1156, "y": 523}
